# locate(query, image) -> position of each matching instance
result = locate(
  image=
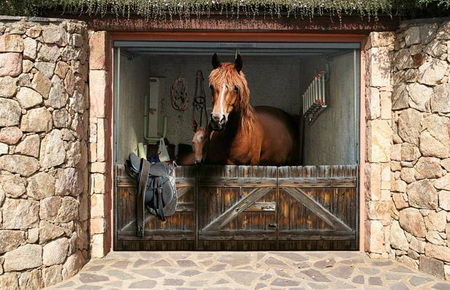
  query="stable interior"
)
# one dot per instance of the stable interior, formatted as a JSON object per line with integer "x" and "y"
{"x": 277, "y": 74}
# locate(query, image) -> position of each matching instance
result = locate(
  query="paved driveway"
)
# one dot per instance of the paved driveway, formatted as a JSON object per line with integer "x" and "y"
{"x": 248, "y": 270}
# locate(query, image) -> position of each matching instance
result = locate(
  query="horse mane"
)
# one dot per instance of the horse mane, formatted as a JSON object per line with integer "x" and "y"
{"x": 227, "y": 74}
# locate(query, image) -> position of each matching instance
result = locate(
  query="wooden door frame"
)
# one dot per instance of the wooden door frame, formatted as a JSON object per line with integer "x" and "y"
{"x": 271, "y": 36}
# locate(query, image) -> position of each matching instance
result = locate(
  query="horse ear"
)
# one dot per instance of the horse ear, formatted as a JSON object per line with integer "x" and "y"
{"x": 194, "y": 126}
{"x": 215, "y": 61}
{"x": 238, "y": 63}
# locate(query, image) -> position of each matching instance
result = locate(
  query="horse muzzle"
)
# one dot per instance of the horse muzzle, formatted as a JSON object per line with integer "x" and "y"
{"x": 218, "y": 123}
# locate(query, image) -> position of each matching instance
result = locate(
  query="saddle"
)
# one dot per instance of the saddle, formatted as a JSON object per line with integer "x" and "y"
{"x": 156, "y": 189}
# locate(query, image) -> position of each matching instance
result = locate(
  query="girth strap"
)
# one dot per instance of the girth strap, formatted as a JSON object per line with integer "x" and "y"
{"x": 140, "y": 204}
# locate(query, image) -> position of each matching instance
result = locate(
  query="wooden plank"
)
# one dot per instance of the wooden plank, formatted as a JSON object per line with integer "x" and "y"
{"x": 237, "y": 208}
{"x": 348, "y": 182}
{"x": 263, "y": 206}
{"x": 317, "y": 209}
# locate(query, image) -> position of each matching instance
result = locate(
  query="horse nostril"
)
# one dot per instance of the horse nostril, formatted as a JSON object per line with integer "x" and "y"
{"x": 215, "y": 118}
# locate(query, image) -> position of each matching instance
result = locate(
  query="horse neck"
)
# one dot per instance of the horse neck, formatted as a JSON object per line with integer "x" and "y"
{"x": 247, "y": 120}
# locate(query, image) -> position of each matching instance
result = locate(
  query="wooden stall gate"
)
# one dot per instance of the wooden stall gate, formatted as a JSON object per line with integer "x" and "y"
{"x": 248, "y": 208}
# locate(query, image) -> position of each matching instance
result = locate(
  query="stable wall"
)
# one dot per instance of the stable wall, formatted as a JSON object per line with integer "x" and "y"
{"x": 134, "y": 87}
{"x": 331, "y": 139}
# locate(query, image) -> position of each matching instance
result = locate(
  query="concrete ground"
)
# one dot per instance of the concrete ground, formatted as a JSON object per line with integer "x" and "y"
{"x": 248, "y": 270}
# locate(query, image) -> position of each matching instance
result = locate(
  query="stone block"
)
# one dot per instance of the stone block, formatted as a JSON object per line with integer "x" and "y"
{"x": 379, "y": 67}
{"x": 380, "y": 39}
{"x": 408, "y": 174}
{"x": 412, "y": 221}
{"x": 55, "y": 252}
{"x": 428, "y": 167}
{"x": 399, "y": 201}
{"x": 52, "y": 150}
{"x": 444, "y": 199}
{"x": 29, "y": 146}
{"x": 10, "y": 135}
{"x": 10, "y": 240}
{"x": 31, "y": 280}
{"x": 440, "y": 101}
{"x": 412, "y": 36}
{"x": 396, "y": 152}
{"x": 42, "y": 84}
{"x": 432, "y": 71}
{"x": 68, "y": 211}
{"x": 422, "y": 194}
{"x": 11, "y": 43}
{"x": 435, "y": 238}
{"x": 97, "y": 226}
{"x": 10, "y": 64}
{"x": 379, "y": 141}
{"x": 443, "y": 182}
{"x": 99, "y": 52}
{"x": 386, "y": 105}
{"x": 9, "y": 281}
{"x": 373, "y": 180}
{"x": 101, "y": 140}
{"x": 72, "y": 265}
{"x": 98, "y": 92}
{"x": 49, "y": 208}
{"x": 22, "y": 258}
{"x": 28, "y": 98}
{"x": 98, "y": 167}
{"x": 409, "y": 126}
{"x": 397, "y": 237}
{"x": 438, "y": 252}
{"x": 49, "y": 231}
{"x": 22, "y": 165}
{"x": 379, "y": 210}
{"x": 52, "y": 275}
{"x": 36, "y": 120}
{"x": 41, "y": 185}
{"x": 54, "y": 34}
{"x": 8, "y": 87}
{"x": 4, "y": 149}
{"x": 97, "y": 246}
{"x": 436, "y": 221}
{"x": 10, "y": 112}
{"x": 58, "y": 96}
{"x": 30, "y": 48}
{"x": 374, "y": 237}
{"x": 373, "y": 103}
{"x": 97, "y": 206}
{"x": 419, "y": 96}
{"x": 99, "y": 183}
{"x": 431, "y": 266}
{"x": 398, "y": 186}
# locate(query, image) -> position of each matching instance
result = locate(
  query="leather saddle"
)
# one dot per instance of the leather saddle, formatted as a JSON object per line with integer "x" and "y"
{"x": 156, "y": 189}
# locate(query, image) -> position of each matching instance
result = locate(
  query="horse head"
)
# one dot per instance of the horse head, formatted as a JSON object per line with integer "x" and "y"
{"x": 199, "y": 143}
{"x": 229, "y": 90}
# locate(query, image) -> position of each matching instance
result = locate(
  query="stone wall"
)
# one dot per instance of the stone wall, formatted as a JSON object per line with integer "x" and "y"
{"x": 100, "y": 151}
{"x": 378, "y": 142}
{"x": 420, "y": 154}
{"x": 44, "y": 217}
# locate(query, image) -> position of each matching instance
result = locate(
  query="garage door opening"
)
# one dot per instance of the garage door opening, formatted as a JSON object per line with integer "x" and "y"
{"x": 310, "y": 205}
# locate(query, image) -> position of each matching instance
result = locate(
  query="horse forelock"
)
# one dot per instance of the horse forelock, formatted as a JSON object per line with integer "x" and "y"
{"x": 227, "y": 75}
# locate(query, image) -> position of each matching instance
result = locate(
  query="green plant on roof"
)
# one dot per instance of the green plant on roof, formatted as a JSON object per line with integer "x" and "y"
{"x": 232, "y": 8}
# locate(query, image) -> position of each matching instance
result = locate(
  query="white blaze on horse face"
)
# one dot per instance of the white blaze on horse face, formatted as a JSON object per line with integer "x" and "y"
{"x": 219, "y": 111}
{"x": 222, "y": 100}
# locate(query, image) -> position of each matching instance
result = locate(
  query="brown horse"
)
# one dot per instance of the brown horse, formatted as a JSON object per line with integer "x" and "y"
{"x": 243, "y": 135}
{"x": 199, "y": 145}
